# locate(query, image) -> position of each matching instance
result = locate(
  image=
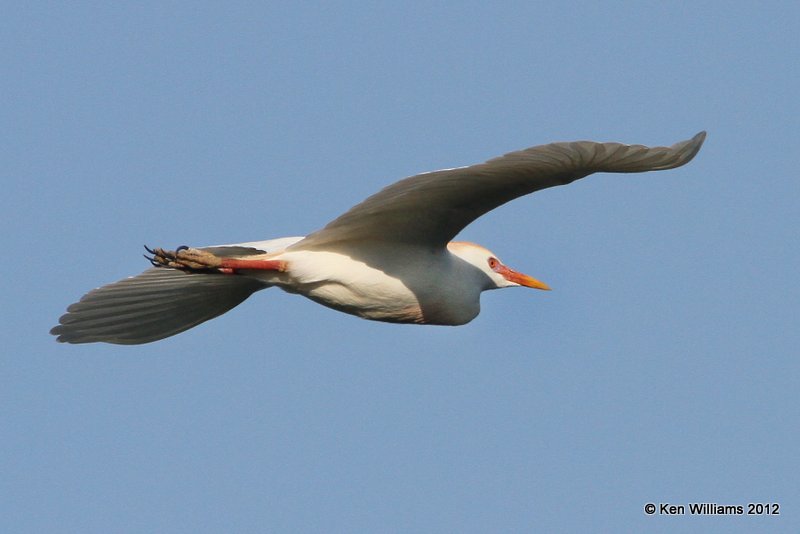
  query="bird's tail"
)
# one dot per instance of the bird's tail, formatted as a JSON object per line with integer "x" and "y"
{"x": 157, "y": 303}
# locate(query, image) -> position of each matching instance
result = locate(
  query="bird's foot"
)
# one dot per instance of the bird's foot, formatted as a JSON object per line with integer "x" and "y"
{"x": 201, "y": 261}
{"x": 186, "y": 259}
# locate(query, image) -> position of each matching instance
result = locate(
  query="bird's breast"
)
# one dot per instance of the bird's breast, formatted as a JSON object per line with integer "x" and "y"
{"x": 398, "y": 288}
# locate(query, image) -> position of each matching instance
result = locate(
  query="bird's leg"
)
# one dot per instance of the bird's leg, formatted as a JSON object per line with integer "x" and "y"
{"x": 184, "y": 258}
{"x": 196, "y": 260}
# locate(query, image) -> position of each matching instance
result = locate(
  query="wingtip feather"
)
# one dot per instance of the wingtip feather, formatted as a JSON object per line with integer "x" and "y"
{"x": 691, "y": 147}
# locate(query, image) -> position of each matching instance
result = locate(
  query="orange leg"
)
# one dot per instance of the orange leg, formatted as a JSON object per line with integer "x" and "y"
{"x": 195, "y": 260}
{"x": 230, "y": 265}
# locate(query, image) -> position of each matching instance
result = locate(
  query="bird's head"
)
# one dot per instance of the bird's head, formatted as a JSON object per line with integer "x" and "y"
{"x": 499, "y": 274}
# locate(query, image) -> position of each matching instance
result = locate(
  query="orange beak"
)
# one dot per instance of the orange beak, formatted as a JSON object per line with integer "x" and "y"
{"x": 522, "y": 279}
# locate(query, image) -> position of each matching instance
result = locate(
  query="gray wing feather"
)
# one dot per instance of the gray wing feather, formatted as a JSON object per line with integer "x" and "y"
{"x": 431, "y": 208}
{"x": 157, "y": 303}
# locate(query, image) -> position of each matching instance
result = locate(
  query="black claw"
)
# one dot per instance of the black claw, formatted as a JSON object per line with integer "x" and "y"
{"x": 148, "y": 249}
{"x": 152, "y": 261}
{"x": 182, "y": 247}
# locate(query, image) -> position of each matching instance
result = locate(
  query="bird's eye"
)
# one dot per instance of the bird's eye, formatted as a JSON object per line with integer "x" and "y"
{"x": 493, "y": 263}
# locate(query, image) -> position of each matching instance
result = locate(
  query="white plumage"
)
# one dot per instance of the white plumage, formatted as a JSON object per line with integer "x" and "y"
{"x": 389, "y": 258}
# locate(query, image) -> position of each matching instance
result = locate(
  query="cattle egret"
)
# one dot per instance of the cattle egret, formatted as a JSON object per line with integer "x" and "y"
{"x": 390, "y": 258}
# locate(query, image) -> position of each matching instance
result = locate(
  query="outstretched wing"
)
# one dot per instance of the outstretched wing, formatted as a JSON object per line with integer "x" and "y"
{"x": 431, "y": 208}
{"x": 155, "y": 304}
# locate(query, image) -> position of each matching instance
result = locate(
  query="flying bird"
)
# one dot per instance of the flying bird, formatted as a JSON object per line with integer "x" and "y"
{"x": 390, "y": 258}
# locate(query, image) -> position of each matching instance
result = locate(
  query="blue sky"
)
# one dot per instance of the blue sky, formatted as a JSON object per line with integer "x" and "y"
{"x": 662, "y": 368}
